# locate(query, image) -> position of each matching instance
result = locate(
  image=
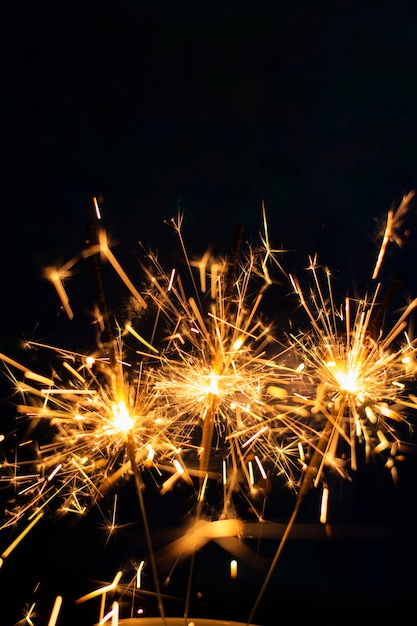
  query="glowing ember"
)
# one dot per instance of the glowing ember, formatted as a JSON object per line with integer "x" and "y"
{"x": 210, "y": 393}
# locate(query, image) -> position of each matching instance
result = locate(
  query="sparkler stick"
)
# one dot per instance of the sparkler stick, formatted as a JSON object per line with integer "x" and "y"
{"x": 377, "y": 321}
{"x": 308, "y": 480}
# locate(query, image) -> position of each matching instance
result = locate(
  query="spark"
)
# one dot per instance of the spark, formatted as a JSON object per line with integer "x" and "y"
{"x": 210, "y": 395}
{"x": 358, "y": 379}
{"x": 359, "y": 373}
{"x": 90, "y": 422}
{"x": 56, "y": 277}
{"x": 103, "y": 590}
{"x": 323, "y": 506}
{"x": 55, "y": 611}
{"x": 391, "y": 232}
{"x": 21, "y": 536}
{"x": 219, "y": 363}
{"x": 108, "y": 254}
{"x": 97, "y": 208}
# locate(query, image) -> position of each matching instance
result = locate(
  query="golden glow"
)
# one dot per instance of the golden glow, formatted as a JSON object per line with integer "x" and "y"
{"x": 55, "y": 611}
{"x": 347, "y": 380}
{"x": 122, "y": 421}
{"x": 209, "y": 393}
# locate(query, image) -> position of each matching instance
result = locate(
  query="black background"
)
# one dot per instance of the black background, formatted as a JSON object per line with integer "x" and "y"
{"x": 310, "y": 108}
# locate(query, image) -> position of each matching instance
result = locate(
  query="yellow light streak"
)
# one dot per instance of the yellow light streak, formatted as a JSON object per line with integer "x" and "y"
{"x": 216, "y": 396}
{"x": 102, "y": 590}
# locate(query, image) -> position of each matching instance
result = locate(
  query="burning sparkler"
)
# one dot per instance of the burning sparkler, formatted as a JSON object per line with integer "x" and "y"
{"x": 220, "y": 362}
{"x": 357, "y": 386}
{"x": 360, "y": 374}
{"x": 210, "y": 395}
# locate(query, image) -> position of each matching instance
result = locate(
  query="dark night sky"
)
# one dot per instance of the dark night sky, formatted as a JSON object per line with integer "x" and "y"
{"x": 310, "y": 107}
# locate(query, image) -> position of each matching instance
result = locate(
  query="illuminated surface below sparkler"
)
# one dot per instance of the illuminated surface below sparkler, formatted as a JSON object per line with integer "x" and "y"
{"x": 177, "y": 621}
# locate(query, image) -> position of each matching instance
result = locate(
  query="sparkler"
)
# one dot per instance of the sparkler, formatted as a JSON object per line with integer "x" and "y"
{"x": 211, "y": 394}
{"x": 220, "y": 363}
{"x": 361, "y": 374}
{"x": 359, "y": 379}
{"x": 106, "y": 423}
{"x": 394, "y": 231}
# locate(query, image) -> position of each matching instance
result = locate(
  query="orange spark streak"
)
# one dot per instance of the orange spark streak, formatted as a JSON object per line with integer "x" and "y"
{"x": 22, "y": 535}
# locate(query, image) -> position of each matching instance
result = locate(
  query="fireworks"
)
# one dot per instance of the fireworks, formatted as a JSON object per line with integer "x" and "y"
{"x": 356, "y": 386}
{"x": 193, "y": 383}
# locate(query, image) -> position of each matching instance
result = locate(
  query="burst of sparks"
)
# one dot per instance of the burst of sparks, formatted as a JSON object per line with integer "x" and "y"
{"x": 220, "y": 363}
{"x": 393, "y": 229}
{"x": 209, "y": 386}
{"x": 89, "y": 422}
